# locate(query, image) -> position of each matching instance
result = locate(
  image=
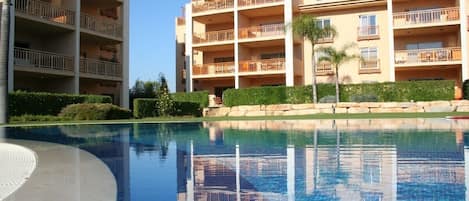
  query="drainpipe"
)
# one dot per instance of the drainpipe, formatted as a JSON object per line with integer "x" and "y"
{"x": 4, "y": 44}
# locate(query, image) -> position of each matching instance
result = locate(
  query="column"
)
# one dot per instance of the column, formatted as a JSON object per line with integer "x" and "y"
{"x": 289, "y": 69}
{"x": 188, "y": 40}
{"x": 125, "y": 57}
{"x": 464, "y": 51}
{"x": 4, "y": 77}
{"x": 291, "y": 172}
{"x": 238, "y": 180}
{"x": 76, "y": 63}
{"x": 236, "y": 43}
{"x": 11, "y": 48}
{"x": 392, "y": 70}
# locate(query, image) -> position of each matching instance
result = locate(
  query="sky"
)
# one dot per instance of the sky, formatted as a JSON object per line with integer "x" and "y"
{"x": 152, "y": 39}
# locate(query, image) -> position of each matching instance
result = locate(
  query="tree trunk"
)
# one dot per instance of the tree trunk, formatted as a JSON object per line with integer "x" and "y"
{"x": 315, "y": 91}
{"x": 337, "y": 84}
{"x": 4, "y": 38}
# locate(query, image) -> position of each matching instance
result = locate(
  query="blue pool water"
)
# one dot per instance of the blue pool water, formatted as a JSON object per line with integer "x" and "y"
{"x": 209, "y": 161}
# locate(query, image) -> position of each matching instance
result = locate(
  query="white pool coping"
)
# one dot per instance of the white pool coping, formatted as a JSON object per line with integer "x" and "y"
{"x": 62, "y": 173}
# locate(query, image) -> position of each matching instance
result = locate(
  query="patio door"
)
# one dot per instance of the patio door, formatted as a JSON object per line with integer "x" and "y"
{"x": 368, "y": 25}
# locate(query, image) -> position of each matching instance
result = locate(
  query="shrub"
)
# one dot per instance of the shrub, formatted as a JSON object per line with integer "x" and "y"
{"x": 383, "y": 92}
{"x": 200, "y": 97}
{"x": 164, "y": 102}
{"x": 26, "y": 103}
{"x": 327, "y": 99}
{"x": 95, "y": 111}
{"x": 34, "y": 118}
{"x": 465, "y": 89}
{"x": 145, "y": 107}
{"x": 363, "y": 98}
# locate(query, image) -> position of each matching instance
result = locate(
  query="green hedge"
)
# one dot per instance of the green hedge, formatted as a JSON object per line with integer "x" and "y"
{"x": 27, "y": 103}
{"x": 200, "y": 97}
{"x": 465, "y": 89}
{"x": 95, "y": 111}
{"x": 384, "y": 92}
{"x": 146, "y": 107}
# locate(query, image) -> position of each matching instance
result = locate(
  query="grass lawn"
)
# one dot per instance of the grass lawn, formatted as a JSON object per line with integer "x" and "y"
{"x": 200, "y": 119}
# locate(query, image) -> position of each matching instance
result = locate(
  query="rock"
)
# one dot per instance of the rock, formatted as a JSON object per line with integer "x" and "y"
{"x": 370, "y": 104}
{"x": 324, "y": 106}
{"x": 341, "y": 110}
{"x": 301, "y": 112}
{"x": 237, "y": 114}
{"x": 302, "y": 106}
{"x": 217, "y": 112}
{"x": 283, "y": 107}
{"x": 255, "y": 114}
{"x": 358, "y": 110}
{"x": 439, "y": 108}
{"x": 463, "y": 109}
{"x": 347, "y": 105}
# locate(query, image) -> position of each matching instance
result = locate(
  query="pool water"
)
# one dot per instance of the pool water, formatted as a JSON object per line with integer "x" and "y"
{"x": 259, "y": 160}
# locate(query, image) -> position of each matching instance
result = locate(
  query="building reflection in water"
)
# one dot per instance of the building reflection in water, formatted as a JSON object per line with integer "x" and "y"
{"x": 333, "y": 165}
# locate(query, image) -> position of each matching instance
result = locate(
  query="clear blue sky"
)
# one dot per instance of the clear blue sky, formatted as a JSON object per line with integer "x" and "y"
{"x": 152, "y": 39}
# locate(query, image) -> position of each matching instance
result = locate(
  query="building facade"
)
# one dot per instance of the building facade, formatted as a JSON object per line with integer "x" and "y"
{"x": 246, "y": 43}
{"x": 70, "y": 46}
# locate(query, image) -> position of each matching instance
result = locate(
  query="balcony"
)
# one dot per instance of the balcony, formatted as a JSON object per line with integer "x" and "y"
{"x": 430, "y": 17}
{"x": 368, "y": 33}
{"x": 213, "y": 37}
{"x": 264, "y": 31}
{"x": 324, "y": 68}
{"x": 202, "y": 6}
{"x": 329, "y": 39}
{"x": 42, "y": 62}
{"x": 98, "y": 69}
{"x": 369, "y": 66}
{"x": 247, "y": 3}
{"x": 40, "y": 10}
{"x": 101, "y": 25}
{"x": 213, "y": 69}
{"x": 264, "y": 66}
{"x": 422, "y": 57}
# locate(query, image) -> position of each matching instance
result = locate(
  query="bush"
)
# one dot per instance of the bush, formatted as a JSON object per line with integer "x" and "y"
{"x": 363, "y": 98}
{"x": 95, "y": 111}
{"x": 383, "y": 92}
{"x": 200, "y": 97}
{"x": 38, "y": 118}
{"x": 465, "y": 90}
{"x": 145, "y": 107}
{"x": 26, "y": 103}
{"x": 327, "y": 99}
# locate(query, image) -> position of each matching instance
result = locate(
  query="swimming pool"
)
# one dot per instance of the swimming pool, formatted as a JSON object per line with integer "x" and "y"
{"x": 410, "y": 159}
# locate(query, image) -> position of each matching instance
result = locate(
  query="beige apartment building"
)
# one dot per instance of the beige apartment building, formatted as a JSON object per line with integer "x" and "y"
{"x": 243, "y": 43}
{"x": 70, "y": 46}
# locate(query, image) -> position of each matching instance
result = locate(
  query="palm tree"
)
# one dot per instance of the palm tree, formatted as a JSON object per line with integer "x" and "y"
{"x": 307, "y": 26}
{"x": 336, "y": 58}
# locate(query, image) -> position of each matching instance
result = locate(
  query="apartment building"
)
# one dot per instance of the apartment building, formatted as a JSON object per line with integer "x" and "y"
{"x": 244, "y": 43}
{"x": 70, "y": 46}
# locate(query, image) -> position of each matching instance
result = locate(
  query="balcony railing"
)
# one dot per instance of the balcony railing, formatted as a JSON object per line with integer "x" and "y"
{"x": 329, "y": 39}
{"x": 369, "y": 66}
{"x": 243, "y": 3}
{"x": 213, "y": 36}
{"x": 101, "y": 25}
{"x": 45, "y": 11}
{"x": 423, "y": 56}
{"x": 429, "y": 16}
{"x": 213, "y": 69}
{"x": 324, "y": 68}
{"x": 98, "y": 67}
{"x": 201, "y": 6}
{"x": 42, "y": 60}
{"x": 262, "y": 31}
{"x": 368, "y": 32}
{"x": 263, "y": 65}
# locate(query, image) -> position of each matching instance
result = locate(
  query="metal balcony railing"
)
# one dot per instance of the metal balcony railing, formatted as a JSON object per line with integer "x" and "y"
{"x": 101, "y": 25}
{"x": 242, "y": 3}
{"x": 262, "y": 31}
{"x": 46, "y": 11}
{"x": 424, "y": 56}
{"x": 201, "y": 6}
{"x": 213, "y": 36}
{"x": 263, "y": 65}
{"x": 368, "y": 32}
{"x": 429, "y": 16}
{"x": 42, "y": 60}
{"x": 213, "y": 68}
{"x": 98, "y": 67}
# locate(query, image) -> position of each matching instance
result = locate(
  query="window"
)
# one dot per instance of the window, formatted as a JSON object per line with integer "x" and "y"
{"x": 368, "y": 25}
{"x": 223, "y": 59}
{"x": 424, "y": 45}
{"x": 273, "y": 55}
{"x": 369, "y": 53}
{"x": 322, "y": 23}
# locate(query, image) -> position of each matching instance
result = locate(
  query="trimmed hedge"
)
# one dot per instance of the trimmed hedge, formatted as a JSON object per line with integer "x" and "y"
{"x": 200, "y": 97}
{"x": 27, "y": 103}
{"x": 146, "y": 108}
{"x": 465, "y": 89}
{"x": 95, "y": 111}
{"x": 384, "y": 92}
